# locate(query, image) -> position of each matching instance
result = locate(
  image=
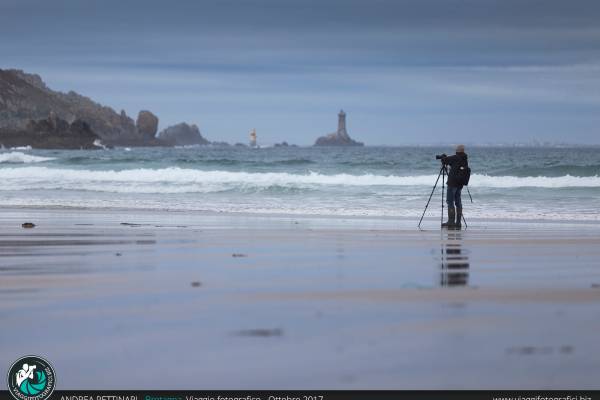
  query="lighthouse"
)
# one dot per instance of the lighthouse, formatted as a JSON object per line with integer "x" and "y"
{"x": 340, "y": 137}
{"x": 253, "y": 138}
{"x": 341, "y": 130}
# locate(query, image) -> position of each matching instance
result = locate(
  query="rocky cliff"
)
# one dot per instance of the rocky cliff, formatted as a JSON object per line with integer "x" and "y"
{"x": 181, "y": 135}
{"x": 50, "y": 133}
{"x": 25, "y": 97}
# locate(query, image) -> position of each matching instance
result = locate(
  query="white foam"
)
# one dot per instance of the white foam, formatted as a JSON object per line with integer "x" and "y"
{"x": 181, "y": 180}
{"x": 16, "y": 157}
{"x": 566, "y": 181}
{"x": 260, "y": 206}
{"x": 98, "y": 143}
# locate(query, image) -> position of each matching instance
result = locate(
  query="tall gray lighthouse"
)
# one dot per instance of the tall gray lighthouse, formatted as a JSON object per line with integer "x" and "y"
{"x": 339, "y": 138}
{"x": 341, "y": 130}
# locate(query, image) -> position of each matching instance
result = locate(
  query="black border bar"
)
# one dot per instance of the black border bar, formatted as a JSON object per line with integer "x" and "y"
{"x": 320, "y": 394}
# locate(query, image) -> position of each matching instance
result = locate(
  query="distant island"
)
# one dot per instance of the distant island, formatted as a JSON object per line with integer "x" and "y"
{"x": 31, "y": 114}
{"x": 339, "y": 138}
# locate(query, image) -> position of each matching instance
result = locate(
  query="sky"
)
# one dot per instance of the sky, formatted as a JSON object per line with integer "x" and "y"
{"x": 405, "y": 72}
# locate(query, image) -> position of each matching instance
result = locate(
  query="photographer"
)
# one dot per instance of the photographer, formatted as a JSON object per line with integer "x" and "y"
{"x": 458, "y": 176}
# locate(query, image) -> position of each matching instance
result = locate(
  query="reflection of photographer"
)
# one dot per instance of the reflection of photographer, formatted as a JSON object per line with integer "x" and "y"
{"x": 457, "y": 178}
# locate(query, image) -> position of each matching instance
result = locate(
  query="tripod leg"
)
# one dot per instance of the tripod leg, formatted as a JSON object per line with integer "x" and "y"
{"x": 443, "y": 188}
{"x": 430, "y": 196}
{"x": 469, "y": 194}
{"x": 465, "y": 221}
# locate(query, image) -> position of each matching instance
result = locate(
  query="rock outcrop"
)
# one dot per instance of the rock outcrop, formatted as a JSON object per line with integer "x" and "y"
{"x": 339, "y": 138}
{"x": 335, "y": 139}
{"x": 25, "y": 97}
{"x": 147, "y": 124}
{"x": 51, "y": 133}
{"x": 182, "y": 135}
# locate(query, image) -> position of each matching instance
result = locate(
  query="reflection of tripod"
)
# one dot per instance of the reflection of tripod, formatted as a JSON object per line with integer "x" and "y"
{"x": 443, "y": 173}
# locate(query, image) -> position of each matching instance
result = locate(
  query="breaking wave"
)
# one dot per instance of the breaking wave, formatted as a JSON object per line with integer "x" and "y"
{"x": 16, "y": 157}
{"x": 182, "y": 180}
{"x": 552, "y": 170}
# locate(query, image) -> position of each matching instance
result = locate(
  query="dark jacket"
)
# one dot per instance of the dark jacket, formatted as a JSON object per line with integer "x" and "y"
{"x": 454, "y": 162}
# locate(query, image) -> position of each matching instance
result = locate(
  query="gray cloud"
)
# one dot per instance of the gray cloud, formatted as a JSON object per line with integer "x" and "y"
{"x": 428, "y": 69}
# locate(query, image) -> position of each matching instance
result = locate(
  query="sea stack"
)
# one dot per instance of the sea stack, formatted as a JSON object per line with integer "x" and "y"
{"x": 182, "y": 135}
{"x": 339, "y": 138}
{"x": 147, "y": 124}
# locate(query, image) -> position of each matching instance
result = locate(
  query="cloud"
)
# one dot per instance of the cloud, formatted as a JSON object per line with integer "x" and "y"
{"x": 391, "y": 63}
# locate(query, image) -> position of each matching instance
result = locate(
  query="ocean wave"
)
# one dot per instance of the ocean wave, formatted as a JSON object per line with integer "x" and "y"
{"x": 98, "y": 143}
{"x": 529, "y": 211}
{"x": 377, "y": 163}
{"x": 182, "y": 180}
{"x": 551, "y": 171}
{"x": 184, "y": 161}
{"x": 16, "y": 157}
{"x": 548, "y": 182}
{"x": 252, "y": 163}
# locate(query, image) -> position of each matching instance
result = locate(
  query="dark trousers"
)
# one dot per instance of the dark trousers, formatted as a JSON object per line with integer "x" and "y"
{"x": 453, "y": 196}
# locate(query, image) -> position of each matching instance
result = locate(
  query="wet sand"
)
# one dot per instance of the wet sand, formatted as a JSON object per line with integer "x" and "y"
{"x": 121, "y": 299}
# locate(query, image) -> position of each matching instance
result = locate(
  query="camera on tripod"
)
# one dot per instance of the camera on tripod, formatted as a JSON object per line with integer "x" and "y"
{"x": 461, "y": 178}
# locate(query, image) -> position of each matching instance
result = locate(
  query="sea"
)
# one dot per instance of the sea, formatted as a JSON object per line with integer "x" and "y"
{"x": 506, "y": 183}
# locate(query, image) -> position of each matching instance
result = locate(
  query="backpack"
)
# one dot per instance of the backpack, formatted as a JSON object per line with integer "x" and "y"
{"x": 463, "y": 173}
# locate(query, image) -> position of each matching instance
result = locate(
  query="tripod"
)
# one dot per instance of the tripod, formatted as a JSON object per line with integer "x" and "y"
{"x": 443, "y": 173}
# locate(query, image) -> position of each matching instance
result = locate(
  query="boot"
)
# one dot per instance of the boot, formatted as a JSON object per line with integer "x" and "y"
{"x": 450, "y": 222}
{"x": 458, "y": 217}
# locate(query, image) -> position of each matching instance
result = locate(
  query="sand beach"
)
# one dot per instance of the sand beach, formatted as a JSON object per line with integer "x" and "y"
{"x": 121, "y": 299}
